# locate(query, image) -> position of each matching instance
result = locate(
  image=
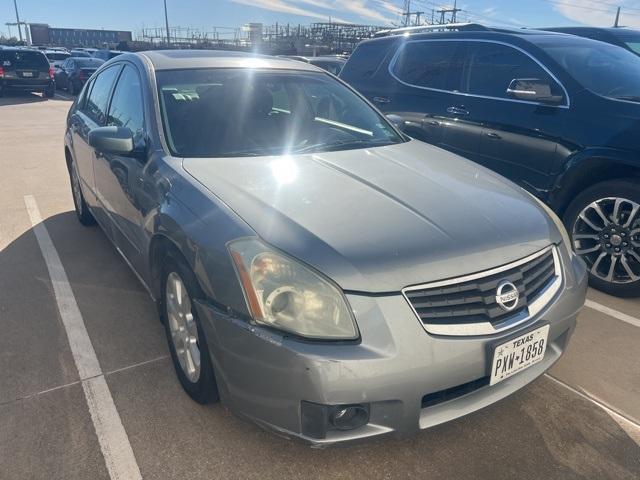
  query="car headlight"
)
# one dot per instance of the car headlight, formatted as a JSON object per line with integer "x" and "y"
{"x": 566, "y": 240}
{"x": 283, "y": 293}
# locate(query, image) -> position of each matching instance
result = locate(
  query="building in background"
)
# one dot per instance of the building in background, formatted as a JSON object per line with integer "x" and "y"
{"x": 43, "y": 34}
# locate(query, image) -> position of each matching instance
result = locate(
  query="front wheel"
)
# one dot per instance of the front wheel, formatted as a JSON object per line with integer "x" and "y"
{"x": 604, "y": 224}
{"x": 85, "y": 217}
{"x": 185, "y": 336}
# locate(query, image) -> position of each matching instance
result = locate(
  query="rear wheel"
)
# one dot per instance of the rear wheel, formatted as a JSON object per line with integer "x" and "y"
{"x": 50, "y": 92}
{"x": 185, "y": 336}
{"x": 604, "y": 223}
{"x": 82, "y": 211}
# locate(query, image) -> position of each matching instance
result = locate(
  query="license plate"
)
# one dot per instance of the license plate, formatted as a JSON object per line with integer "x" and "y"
{"x": 518, "y": 353}
{"x": 27, "y": 74}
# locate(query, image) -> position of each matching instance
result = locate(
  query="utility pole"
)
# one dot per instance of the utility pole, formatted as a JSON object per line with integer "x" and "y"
{"x": 453, "y": 11}
{"x": 166, "y": 22}
{"x": 617, "y": 18}
{"x": 407, "y": 14}
{"x": 15, "y": 5}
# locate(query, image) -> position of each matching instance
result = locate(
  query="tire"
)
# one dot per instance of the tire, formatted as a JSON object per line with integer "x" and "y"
{"x": 609, "y": 243}
{"x": 2, "y": 92}
{"x": 85, "y": 217}
{"x": 50, "y": 92}
{"x": 71, "y": 88}
{"x": 200, "y": 385}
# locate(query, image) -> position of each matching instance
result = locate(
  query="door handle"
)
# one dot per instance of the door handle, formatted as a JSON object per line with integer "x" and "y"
{"x": 458, "y": 110}
{"x": 493, "y": 135}
{"x": 381, "y": 99}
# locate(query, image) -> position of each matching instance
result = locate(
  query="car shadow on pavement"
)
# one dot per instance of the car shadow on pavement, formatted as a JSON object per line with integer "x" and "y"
{"x": 543, "y": 431}
{"x": 18, "y": 98}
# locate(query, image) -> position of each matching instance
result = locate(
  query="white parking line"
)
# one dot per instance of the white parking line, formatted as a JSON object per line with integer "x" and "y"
{"x": 613, "y": 313}
{"x": 114, "y": 442}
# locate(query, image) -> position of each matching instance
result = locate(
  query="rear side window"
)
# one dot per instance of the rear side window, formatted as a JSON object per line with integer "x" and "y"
{"x": 24, "y": 60}
{"x": 126, "y": 108}
{"x": 429, "y": 64}
{"x": 365, "y": 60}
{"x": 490, "y": 67}
{"x": 96, "y": 105}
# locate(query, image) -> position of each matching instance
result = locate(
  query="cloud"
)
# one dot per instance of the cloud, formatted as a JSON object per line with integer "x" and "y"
{"x": 596, "y": 13}
{"x": 371, "y": 10}
{"x": 284, "y": 7}
{"x": 490, "y": 11}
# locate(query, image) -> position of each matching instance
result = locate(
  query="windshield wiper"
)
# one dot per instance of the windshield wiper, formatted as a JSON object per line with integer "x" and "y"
{"x": 343, "y": 144}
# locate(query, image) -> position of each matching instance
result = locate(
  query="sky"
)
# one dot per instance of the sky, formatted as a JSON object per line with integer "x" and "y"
{"x": 134, "y": 15}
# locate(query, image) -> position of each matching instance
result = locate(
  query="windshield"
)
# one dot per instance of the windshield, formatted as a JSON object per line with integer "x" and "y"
{"x": 247, "y": 112}
{"x": 53, "y": 56}
{"x": 88, "y": 62}
{"x": 604, "y": 69}
{"x": 630, "y": 38}
{"x": 23, "y": 59}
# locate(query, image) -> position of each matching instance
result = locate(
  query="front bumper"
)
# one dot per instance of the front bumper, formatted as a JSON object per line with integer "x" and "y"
{"x": 265, "y": 376}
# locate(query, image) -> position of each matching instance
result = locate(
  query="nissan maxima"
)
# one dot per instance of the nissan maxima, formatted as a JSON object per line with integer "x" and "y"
{"x": 315, "y": 269}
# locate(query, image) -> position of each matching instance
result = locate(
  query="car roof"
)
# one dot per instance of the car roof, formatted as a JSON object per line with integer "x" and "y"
{"x": 179, "y": 59}
{"x": 328, "y": 59}
{"x": 531, "y": 35}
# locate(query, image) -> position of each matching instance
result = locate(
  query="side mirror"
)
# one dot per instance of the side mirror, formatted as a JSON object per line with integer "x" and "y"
{"x": 118, "y": 140}
{"x": 396, "y": 120}
{"x": 532, "y": 89}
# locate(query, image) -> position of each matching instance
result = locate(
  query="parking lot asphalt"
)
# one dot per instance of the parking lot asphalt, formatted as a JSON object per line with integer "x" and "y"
{"x": 581, "y": 420}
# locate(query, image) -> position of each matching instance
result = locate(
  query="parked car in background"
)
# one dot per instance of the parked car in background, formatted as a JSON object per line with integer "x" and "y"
{"x": 107, "y": 54}
{"x": 622, "y": 37}
{"x": 74, "y": 72}
{"x": 25, "y": 70}
{"x": 56, "y": 57}
{"x": 556, "y": 113}
{"x": 307, "y": 257}
{"x": 332, "y": 64}
{"x": 80, "y": 53}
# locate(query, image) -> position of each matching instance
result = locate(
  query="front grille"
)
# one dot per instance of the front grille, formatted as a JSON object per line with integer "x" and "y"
{"x": 468, "y": 305}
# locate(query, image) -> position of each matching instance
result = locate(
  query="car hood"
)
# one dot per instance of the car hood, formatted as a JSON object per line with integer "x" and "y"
{"x": 380, "y": 219}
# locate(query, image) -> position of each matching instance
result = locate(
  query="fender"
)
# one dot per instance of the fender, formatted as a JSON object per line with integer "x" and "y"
{"x": 590, "y": 166}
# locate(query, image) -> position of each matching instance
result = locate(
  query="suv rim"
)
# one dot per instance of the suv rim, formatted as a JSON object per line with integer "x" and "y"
{"x": 182, "y": 326}
{"x": 606, "y": 234}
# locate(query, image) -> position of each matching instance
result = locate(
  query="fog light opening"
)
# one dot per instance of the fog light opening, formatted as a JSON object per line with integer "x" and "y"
{"x": 348, "y": 417}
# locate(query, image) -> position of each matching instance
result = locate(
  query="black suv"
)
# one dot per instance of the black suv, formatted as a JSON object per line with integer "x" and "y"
{"x": 25, "y": 70}
{"x": 556, "y": 113}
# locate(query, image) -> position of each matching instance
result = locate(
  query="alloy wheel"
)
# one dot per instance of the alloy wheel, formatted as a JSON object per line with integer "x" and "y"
{"x": 182, "y": 325}
{"x": 606, "y": 234}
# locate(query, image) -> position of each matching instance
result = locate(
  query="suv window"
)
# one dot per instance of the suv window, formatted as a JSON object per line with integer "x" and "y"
{"x": 430, "y": 64}
{"x": 126, "y": 108}
{"x": 24, "y": 59}
{"x": 365, "y": 60}
{"x": 490, "y": 67}
{"x": 96, "y": 105}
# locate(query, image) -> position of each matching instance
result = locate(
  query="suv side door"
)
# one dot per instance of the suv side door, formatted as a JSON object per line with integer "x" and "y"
{"x": 427, "y": 74}
{"x": 119, "y": 178}
{"x": 90, "y": 113}
{"x": 519, "y": 138}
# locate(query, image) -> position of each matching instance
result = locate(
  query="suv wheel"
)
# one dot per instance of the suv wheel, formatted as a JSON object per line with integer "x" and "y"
{"x": 50, "y": 92}
{"x": 185, "y": 336}
{"x": 604, "y": 224}
{"x": 71, "y": 88}
{"x": 82, "y": 211}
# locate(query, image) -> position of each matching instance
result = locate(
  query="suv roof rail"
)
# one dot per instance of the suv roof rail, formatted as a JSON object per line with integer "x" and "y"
{"x": 448, "y": 27}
